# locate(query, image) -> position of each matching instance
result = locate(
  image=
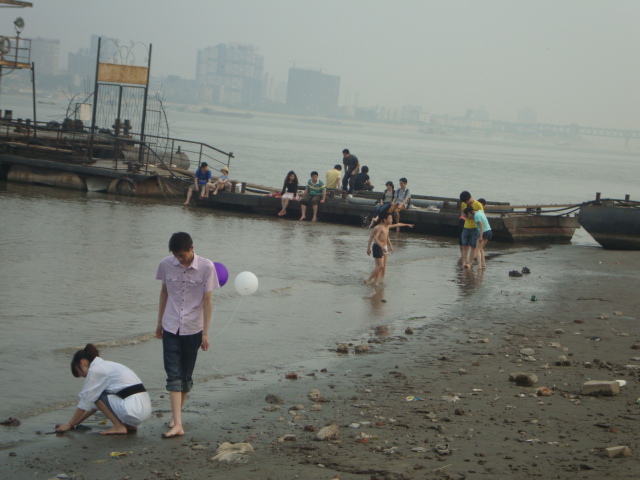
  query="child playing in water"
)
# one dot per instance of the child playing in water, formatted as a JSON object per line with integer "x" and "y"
{"x": 381, "y": 245}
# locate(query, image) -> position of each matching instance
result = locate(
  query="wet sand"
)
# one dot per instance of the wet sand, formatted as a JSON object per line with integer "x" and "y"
{"x": 469, "y": 421}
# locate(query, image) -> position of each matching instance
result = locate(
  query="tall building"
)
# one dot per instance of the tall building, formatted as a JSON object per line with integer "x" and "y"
{"x": 312, "y": 92}
{"x": 230, "y": 74}
{"x": 45, "y": 56}
{"x": 82, "y": 64}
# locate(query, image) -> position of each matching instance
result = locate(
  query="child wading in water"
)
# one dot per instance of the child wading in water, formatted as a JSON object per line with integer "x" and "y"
{"x": 381, "y": 245}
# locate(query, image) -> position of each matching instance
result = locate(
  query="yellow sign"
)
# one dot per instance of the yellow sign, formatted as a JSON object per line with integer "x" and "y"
{"x": 129, "y": 74}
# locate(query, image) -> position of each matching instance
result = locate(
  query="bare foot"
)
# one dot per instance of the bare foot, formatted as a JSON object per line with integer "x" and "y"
{"x": 115, "y": 431}
{"x": 314, "y": 219}
{"x": 466, "y": 265}
{"x": 282, "y": 213}
{"x": 215, "y": 193}
{"x": 303, "y": 218}
{"x": 174, "y": 432}
{"x": 186, "y": 203}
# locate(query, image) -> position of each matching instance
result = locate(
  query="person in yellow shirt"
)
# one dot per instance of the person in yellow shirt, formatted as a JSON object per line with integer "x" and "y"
{"x": 333, "y": 177}
{"x": 469, "y": 237}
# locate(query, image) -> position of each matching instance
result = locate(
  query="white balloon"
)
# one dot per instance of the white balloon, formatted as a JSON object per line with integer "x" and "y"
{"x": 246, "y": 283}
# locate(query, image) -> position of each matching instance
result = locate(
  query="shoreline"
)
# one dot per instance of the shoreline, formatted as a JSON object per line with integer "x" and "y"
{"x": 457, "y": 363}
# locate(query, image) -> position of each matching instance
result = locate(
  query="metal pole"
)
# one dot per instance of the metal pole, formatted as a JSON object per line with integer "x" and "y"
{"x": 33, "y": 89}
{"x": 144, "y": 107}
{"x": 95, "y": 101}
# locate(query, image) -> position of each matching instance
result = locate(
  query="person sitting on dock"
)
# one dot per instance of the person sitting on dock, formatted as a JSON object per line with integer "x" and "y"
{"x": 333, "y": 177}
{"x": 484, "y": 234}
{"x": 351, "y": 167}
{"x": 470, "y": 231}
{"x": 315, "y": 193}
{"x": 289, "y": 191}
{"x": 220, "y": 184}
{"x": 361, "y": 181}
{"x": 200, "y": 180}
{"x": 385, "y": 202}
{"x": 401, "y": 201}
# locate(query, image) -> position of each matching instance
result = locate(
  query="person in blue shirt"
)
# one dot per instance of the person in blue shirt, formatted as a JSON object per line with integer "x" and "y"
{"x": 200, "y": 180}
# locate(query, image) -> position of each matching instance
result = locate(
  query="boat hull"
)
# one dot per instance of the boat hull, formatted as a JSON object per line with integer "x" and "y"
{"x": 613, "y": 227}
{"x": 77, "y": 177}
{"x": 506, "y": 228}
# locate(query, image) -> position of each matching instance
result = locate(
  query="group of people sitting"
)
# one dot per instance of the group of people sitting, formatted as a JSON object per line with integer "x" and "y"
{"x": 355, "y": 178}
{"x": 203, "y": 183}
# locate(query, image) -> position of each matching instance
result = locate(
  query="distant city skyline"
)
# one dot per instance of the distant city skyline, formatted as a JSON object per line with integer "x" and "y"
{"x": 569, "y": 62}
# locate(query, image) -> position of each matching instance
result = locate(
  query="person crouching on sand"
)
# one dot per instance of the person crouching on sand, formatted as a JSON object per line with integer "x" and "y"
{"x": 381, "y": 246}
{"x": 111, "y": 388}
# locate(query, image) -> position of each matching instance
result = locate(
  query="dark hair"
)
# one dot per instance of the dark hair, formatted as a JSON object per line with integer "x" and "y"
{"x": 292, "y": 182}
{"x": 338, "y": 167}
{"x": 464, "y": 196}
{"x": 390, "y": 183}
{"x": 180, "y": 242}
{"x": 346, "y": 150}
{"x": 365, "y": 169}
{"x": 314, "y": 173}
{"x": 403, "y": 180}
{"x": 469, "y": 209}
{"x": 89, "y": 352}
{"x": 381, "y": 218}
{"x": 482, "y": 201}
{"x": 295, "y": 179}
{"x": 204, "y": 164}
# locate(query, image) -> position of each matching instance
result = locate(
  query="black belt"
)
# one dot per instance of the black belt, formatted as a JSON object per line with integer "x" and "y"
{"x": 132, "y": 390}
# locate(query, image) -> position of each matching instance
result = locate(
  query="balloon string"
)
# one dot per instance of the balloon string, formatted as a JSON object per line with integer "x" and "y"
{"x": 232, "y": 317}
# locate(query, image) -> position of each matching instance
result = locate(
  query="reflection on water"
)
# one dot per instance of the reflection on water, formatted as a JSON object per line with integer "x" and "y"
{"x": 469, "y": 279}
{"x": 377, "y": 302}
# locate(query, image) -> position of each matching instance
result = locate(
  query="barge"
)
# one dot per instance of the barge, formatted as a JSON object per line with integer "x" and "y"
{"x": 614, "y": 224}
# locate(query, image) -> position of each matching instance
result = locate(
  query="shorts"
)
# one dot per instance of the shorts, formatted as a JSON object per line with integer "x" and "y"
{"x": 377, "y": 251}
{"x": 396, "y": 208}
{"x": 469, "y": 237}
{"x": 311, "y": 199}
{"x": 194, "y": 188}
{"x": 288, "y": 195}
{"x": 487, "y": 235}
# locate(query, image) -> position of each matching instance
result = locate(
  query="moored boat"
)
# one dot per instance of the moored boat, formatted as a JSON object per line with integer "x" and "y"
{"x": 614, "y": 224}
{"x": 430, "y": 215}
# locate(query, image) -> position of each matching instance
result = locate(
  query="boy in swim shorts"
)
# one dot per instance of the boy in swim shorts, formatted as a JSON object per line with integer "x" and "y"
{"x": 381, "y": 246}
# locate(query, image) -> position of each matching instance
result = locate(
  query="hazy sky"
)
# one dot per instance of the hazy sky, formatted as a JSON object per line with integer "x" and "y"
{"x": 575, "y": 61}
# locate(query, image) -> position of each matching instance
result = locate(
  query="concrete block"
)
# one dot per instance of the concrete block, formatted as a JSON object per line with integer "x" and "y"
{"x": 618, "y": 451}
{"x": 601, "y": 387}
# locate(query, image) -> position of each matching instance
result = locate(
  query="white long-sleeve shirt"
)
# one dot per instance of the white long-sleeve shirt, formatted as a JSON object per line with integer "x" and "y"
{"x": 104, "y": 376}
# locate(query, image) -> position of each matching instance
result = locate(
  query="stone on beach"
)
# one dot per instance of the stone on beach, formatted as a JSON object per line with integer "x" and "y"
{"x": 362, "y": 348}
{"x": 330, "y": 432}
{"x": 274, "y": 399}
{"x": 342, "y": 348}
{"x": 618, "y": 451}
{"x": 233, "y": 452}
{"x": 523, "y": 379}
{"x": 601, "y": 387}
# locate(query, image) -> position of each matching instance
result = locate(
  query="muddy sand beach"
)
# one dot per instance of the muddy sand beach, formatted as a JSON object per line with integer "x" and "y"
{"x": 433, "y": 398}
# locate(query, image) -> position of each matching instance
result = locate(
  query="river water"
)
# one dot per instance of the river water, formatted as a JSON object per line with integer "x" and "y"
{"x": 79, "y": 267}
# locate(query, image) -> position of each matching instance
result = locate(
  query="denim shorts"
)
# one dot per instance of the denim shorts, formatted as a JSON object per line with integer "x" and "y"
{"x": 487, "y": 235}
{"x": 179, "y": 354}
{"x": 469, "y": 237}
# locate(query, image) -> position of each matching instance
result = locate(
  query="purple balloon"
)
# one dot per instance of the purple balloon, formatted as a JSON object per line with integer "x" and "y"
{"x": 222, "y": 272}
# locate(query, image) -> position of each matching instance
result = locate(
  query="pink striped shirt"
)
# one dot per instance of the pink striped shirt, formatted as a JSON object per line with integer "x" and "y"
{"x": 184, "y": 313}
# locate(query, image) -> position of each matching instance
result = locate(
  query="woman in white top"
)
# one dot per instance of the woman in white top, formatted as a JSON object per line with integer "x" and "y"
{"x": 111, "y": 388}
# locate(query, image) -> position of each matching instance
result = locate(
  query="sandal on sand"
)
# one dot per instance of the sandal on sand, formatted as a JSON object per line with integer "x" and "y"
{"x": 515, "y": 273}
{"x": 526, "y": 270}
